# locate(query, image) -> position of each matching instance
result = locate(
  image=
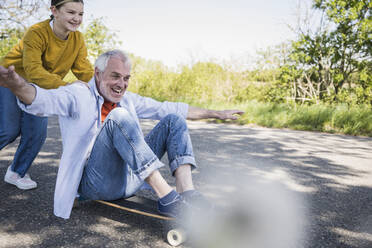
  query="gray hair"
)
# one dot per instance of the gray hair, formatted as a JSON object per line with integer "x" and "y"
{"x": 102, "y": 60}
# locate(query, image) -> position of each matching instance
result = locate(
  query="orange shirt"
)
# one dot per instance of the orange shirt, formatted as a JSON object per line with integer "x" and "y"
{"x": 106, "y": 108}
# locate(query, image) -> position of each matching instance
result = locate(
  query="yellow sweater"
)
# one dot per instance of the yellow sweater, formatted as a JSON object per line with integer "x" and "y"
{"x": 44, "y": 59}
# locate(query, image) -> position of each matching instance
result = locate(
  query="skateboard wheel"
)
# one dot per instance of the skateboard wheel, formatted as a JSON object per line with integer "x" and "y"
{"x": 175, "y": 237}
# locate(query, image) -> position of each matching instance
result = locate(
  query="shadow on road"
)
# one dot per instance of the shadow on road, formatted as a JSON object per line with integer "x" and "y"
{"x": 331, "y": 172}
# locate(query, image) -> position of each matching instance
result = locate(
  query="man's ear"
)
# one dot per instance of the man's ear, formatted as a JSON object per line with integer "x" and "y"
{"x": 96, "y": 73}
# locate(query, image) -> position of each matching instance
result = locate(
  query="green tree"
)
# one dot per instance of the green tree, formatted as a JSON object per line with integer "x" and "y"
{"x": 8, "y": 39}
{"x": 19, "y": 14}
{"x": 351, "y": 38}
{"x": 99, "y": 38}
{"x": 333, "y": 56}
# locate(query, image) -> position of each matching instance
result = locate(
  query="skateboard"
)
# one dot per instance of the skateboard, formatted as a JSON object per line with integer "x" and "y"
{"x": 147, "y": 207}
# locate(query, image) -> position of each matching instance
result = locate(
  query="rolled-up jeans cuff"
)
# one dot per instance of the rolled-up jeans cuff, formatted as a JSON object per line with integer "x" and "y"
{"x": 177, "y": 162}
{"x": 154, "y": 165}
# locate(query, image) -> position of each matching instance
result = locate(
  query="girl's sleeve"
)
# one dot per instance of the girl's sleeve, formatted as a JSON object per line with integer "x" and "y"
{"x": 33, "y": 46}
{"x": 82, "y": 68}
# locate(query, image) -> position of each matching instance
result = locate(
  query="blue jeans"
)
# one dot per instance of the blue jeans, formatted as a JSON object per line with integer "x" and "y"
{"x": 15, "y": 122}
{"x": 122, "y": 157}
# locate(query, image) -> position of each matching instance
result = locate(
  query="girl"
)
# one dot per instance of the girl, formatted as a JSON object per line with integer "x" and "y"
{"x": 44, "y": 56}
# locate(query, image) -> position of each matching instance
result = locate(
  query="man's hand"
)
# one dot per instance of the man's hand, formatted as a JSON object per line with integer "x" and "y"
{"x": 19, "y": 87}
{"x": 200, "y": 113}
{"x": 9, "y": 78}
{"x": 228, "y": 114}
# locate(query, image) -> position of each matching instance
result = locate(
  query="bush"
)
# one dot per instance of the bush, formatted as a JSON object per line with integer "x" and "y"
{"x": 8, "y": 39}
{"x": 312, "y": 118}
{"x": 356, "y": 120}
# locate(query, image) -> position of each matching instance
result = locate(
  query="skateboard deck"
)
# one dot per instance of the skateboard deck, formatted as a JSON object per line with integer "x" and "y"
{"x": 147, "y": 207}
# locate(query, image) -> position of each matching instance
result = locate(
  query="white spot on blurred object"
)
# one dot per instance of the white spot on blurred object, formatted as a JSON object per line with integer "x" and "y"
{"x": 249, "y": 214}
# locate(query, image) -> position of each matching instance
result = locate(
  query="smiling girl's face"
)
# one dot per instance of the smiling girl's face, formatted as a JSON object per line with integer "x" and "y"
{"x": 68, "y": 17}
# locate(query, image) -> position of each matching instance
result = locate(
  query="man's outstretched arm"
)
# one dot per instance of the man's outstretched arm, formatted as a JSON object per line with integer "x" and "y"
{"x": 17, "y": 85}
{"x": 200, "y": 113}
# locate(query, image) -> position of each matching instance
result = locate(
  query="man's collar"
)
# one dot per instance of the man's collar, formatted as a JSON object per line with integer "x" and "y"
{"x": 93, "y": 88}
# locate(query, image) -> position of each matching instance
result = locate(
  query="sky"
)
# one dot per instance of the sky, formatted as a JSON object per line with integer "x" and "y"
{"x": 183, "y": 31}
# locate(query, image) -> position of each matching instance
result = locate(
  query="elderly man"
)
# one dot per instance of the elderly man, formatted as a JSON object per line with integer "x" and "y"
{"x": 105, "y": 155}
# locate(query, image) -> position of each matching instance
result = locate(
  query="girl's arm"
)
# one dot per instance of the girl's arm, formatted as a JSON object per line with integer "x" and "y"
{"x": 34, "y": 46}
{"x": 82, "y": 68}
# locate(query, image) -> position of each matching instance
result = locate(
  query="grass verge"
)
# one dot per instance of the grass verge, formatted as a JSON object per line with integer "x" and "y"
{"x": 355, "y": 120}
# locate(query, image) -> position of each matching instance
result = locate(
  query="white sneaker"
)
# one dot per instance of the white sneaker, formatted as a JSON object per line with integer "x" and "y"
{"x": 21, "y": 182}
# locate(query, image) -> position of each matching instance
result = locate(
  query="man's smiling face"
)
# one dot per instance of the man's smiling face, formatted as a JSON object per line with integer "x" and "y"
{"x": 113, "y": 81}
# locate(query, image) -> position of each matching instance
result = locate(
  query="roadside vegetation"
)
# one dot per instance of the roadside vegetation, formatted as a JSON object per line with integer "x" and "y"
{"x": 321, "y": 81}
{"x": 209, "y": 85}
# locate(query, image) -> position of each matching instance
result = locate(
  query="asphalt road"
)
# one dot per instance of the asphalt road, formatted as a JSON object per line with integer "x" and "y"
{"x": 302, "y": 189}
